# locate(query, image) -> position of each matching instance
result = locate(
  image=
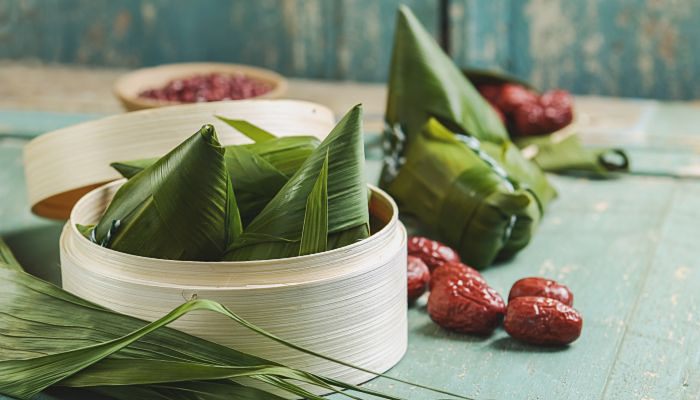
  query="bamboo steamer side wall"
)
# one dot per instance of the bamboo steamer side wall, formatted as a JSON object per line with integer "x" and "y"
{"x": 348, "y": 303}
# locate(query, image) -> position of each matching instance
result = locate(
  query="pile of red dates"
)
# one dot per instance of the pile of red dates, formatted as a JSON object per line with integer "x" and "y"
{"x": 526, "y": 112}
{"x": 539, "y": 310}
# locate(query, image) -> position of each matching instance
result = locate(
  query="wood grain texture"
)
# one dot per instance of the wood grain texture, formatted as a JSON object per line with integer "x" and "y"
{"x": 338, "y": 39}
{"x": 638, "y": 48}
{"x": 631, "y": 48}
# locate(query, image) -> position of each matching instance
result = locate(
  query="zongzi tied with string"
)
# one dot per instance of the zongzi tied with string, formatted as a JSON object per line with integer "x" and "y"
{"x": 464, "y": 196}
{"x": 182, "y": 207}
{"x": 425, "y": 85}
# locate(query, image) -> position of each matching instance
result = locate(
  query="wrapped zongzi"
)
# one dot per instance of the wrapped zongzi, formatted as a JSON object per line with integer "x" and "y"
{"x": 464, "y": 196}
{"x": 182, "y": 207}
{"x": 429, "y": 94}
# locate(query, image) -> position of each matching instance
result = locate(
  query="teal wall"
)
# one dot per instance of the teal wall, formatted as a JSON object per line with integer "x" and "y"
{"x": 642, "y": 48}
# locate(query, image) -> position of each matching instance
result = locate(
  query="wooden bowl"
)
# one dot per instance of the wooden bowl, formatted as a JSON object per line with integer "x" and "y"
{"x": 129, "y": 86}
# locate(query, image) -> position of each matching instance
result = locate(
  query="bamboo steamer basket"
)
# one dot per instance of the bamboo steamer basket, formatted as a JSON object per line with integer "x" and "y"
{"x": 348, "y": 303}
{"x": 128, "y": 87}
{"x": 63, "y": 165}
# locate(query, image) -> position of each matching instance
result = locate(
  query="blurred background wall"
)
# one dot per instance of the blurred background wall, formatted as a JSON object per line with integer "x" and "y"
{"x": 640, "y": 48}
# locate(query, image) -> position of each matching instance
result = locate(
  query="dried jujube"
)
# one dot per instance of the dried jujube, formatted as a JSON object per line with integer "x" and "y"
{"x": 433, "y": 253}
{"x": 542, "y": 321}
{"x": 541, "y": 287}
{"x": 465, "y": 305}
{"x": 418, "y": 276}
{"x": 527, "y": 113}
{"x": 456, "y": 270}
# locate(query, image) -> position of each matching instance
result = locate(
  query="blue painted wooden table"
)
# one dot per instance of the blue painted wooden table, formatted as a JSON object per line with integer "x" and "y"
{"x": 628, "y": 248}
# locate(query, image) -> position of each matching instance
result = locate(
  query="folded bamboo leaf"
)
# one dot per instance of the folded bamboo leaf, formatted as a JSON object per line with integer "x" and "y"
{"x": 314, "y": 234}
{"x": 128, "y": 169}
{"x": 285, "y": 153}
{"x": 255, "y": 181}
{"x": 254, "y": 132}
{"x": 424, "y": 82}
{"x": 198, "y": 390}
{"x": 182, "y": 207}
{"x": 257, "y": 170}
{"x": 51, "y": 337}
{"x": 7, "y": 258}
{"x": 276, "y": 231}
{"x": 463, "y": 194}
{"x": 565, "y": 153}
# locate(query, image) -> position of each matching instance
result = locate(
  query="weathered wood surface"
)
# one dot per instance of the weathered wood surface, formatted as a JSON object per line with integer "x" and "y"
{"x": 620, "y": 48}
{"x": 626, "y": 247}
{"x": 339, "y": 39}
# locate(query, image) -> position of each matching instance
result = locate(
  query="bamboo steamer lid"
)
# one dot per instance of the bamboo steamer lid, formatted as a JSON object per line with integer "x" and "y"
{"x": 349, "y": 303}
{"x": 61, "y": 166}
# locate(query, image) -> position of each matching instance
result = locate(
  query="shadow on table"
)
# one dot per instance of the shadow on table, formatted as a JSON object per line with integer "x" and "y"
{"x": 37, "y": 250}
{"x": 510, "y": 344}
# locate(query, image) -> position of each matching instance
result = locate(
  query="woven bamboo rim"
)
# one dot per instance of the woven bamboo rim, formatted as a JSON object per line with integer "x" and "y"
{"x": 61, "y": 166}
{"x": 348, "y": 303}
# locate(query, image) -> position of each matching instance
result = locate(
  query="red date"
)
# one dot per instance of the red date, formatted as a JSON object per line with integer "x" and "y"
{"x": 466, "y": 306}
{"x": 432, "y": 252}
{"x": 455, "y": 270}
{"x": 542, "y": 321}
{"x": 418, "y": 276}
{"x": 541, "y": 287}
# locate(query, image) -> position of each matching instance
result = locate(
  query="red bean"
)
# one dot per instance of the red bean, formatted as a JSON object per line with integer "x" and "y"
{"x": 211, "y": 87}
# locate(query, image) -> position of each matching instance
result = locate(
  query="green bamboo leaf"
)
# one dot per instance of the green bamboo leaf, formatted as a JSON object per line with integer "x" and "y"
{"x": 424, "y": 82}
{"x": 128, "y": 169}
{"x": 182, "y": 207}
{"x": 566, "y": 154}
{"x": 287, "y": 153}
{"x": 276, "y": 231}
{"x": 258, "y": 171}
{"x": 65, "y": 336}
{"x": 255, "y": 181}
{"x": 197, "y": 390}
{"x": 253, "y": 132}
{"x": 314, "y": 234}
{"x": 7, "y": 258}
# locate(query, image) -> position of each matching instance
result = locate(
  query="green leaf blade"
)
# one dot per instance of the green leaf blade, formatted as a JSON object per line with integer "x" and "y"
{"x": 314, "y": 235}
{"x": 181, "y": 207}
{"x": 276, "y": 231}
{"x": 253, "y": 132}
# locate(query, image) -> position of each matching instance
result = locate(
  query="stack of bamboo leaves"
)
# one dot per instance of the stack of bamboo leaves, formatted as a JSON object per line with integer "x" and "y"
{"x": 54, "y": 340}
{"x": 449, "y": 159}
{"x": 274, "y": 198}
